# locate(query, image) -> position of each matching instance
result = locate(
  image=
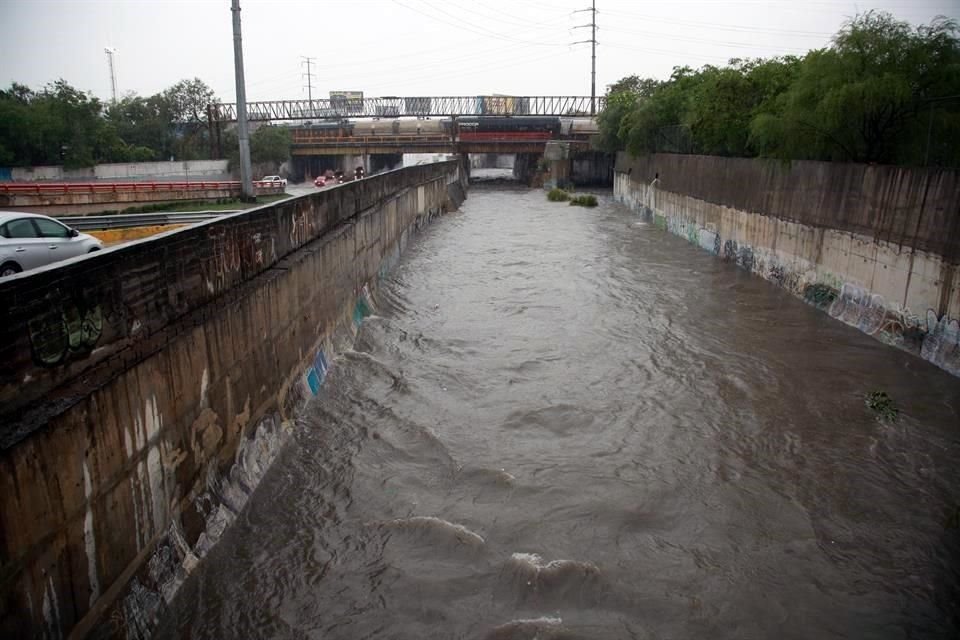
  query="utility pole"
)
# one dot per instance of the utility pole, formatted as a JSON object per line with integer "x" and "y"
{"x": 246, "y": 179}
{"x": 593, "y": 53}
{"x": 307, "y": 60}
{"x": 111, "y": 51}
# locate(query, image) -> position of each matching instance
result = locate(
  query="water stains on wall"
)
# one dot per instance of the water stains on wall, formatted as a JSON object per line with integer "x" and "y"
{"x": 109, "y": 503}
{"x": 870, "y": 284}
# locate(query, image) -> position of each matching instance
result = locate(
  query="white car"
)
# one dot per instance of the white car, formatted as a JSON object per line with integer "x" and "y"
{"x": 29, "y": 240}
{"x": 282, "y": 181}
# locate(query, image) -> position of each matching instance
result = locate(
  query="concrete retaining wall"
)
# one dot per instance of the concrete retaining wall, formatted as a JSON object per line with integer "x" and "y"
{"x": 121, "y": 171}
{"x": 146, "y": 389}
{"x": 875, "y": 247}
{"x": 77, "y": 202}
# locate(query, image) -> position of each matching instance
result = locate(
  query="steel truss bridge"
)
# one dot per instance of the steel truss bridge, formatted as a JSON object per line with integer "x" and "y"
{"x": 420, "y": 106}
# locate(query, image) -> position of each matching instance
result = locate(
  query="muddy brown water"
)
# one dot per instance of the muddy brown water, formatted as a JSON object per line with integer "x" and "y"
{"x": 563, "y": 423}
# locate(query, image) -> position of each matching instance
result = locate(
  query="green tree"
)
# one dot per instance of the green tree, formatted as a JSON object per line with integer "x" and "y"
{"x": 660, "y": 121}
{"x": 862, "y": 99}
{"x": 63, "y": 125}
{"x": 19, "y": 141}
{"x": 622, "y": 98}
{"x": 187, "y": 102}
{"x": 725, "y": 100}
{"x": 144, "y": 123}
{"x": 269, "y": 147}
{"x": 270, "y": 144}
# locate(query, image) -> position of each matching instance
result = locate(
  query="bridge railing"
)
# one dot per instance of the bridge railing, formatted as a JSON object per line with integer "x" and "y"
{"x": 420, "y": 106}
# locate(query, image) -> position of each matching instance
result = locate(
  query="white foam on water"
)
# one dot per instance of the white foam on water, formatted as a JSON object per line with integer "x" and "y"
{"x": 431, "y": 522}
{"x": 541, "y": 621}
{"x": 528, "y": 558}
{"x": 536, "y": 562}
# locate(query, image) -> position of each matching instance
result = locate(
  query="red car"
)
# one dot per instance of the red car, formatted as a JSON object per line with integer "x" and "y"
{"x": 321, "y": 181}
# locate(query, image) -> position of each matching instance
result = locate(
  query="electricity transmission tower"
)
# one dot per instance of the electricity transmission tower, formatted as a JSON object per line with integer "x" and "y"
{"x": 593, "y": 53}
{"x": 307, "y": 60}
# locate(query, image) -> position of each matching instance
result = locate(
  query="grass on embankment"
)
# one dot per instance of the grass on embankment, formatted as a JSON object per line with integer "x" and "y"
{"x": 221, "y": 204}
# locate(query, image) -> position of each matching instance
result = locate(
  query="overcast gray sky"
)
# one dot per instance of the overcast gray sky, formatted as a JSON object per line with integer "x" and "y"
{"x": 407, "y": 47}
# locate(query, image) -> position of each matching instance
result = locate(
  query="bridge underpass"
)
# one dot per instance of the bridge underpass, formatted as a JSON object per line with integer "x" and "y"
{"x": 312, "y": 154}
{"x": 314, "y": 160}
{"x": 343, "y": 133}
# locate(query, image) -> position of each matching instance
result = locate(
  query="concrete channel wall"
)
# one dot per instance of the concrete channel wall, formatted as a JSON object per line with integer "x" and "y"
{"x": 145, "y": 390}
{"x": 877, "y": 247}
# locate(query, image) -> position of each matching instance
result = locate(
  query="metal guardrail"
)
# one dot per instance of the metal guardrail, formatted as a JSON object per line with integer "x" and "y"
{"x": 392, "y": 107}
{"x": 60, "y": 188}
{"x": 130, "y": 220}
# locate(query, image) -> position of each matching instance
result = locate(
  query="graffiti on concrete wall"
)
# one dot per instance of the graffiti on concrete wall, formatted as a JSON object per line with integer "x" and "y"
{"x": 819, "y": 295}
{"x": 224, "y": 259}
{"x": 934, "y": 337}
{"x": 155, "y": 585}
{"x": 941, "y": 343}
{"x": 362, "y": 308}
{"x": 232, "y": 249}
{"x": 69, "y": 326}
{"x": 317, "y": 372}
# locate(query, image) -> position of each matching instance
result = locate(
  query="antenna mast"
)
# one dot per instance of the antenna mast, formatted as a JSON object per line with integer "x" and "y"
{"x": 111, "y": 51}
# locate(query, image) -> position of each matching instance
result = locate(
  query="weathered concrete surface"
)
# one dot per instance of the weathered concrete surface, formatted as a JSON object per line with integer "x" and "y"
{"x": 177, "y": 170}
{"x": 95, "y": 201}
{"x": 146, "y": 389}
{"x": 875, "y": 247}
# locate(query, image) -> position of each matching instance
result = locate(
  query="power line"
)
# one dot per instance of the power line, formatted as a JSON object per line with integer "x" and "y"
{"x": 510, "y": 64}
{"x": 593, "y": 53}
{"x": 492, "y": 63}
{"x": 516, "y": 20}
{"x": 720, "y": 27}
{"x": 308, "y": 61}
{"x": 487, "y": 34}
{"x": 663, "y": 52}
{"x": 718, "y": 43}
{"x": 377, "y": 71}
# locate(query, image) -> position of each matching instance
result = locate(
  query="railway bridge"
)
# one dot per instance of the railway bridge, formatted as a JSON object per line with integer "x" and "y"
{"x": 341, "y": 134}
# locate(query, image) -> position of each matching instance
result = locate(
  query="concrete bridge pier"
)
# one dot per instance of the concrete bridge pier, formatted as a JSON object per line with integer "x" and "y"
{"x": 377, "y": 162}
{"x": 557, "y": 157}
{"x": 526, "y": 168}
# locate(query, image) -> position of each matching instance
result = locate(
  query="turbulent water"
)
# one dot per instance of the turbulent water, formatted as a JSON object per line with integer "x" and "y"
{"x": 563, "y": 423}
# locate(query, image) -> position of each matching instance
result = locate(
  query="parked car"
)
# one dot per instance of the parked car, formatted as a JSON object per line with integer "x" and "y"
{"x": 29, "y": 240}
{"x": 282, "y": 181}
{"x": 320, "y": 181}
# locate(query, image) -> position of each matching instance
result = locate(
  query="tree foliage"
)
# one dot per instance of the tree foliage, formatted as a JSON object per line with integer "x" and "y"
{"x": 63, "y": 125}
{"x": 872, "y": 96}
{"x": 269, "y": 147}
